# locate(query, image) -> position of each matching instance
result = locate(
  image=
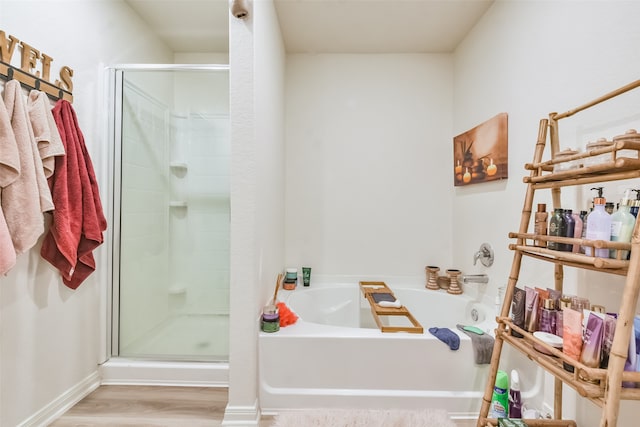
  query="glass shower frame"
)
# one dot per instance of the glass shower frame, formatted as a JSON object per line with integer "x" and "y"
{"x": 115, "y": 96}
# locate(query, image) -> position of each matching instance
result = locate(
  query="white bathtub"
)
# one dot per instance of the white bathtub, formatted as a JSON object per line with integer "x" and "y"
{"x": 335, "y": 356}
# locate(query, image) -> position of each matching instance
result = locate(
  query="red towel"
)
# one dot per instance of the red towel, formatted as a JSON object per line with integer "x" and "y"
{"x": 78, "y": 219}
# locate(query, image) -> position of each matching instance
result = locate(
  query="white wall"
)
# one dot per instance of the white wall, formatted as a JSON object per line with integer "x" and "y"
{"x": 257, "y": 103}
{"x": 51, "y": 336}
{"x": 528, "y": 59}
{"x": 368, "y": 145}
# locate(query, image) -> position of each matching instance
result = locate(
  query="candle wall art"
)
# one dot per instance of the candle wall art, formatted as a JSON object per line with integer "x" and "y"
{"x": 481, "y": 154}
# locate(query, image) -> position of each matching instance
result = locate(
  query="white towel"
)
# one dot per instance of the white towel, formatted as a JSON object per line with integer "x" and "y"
{"x": 45, "y": 130}
{"x": 24, "y": 200}
{"x": 9, "y": 172}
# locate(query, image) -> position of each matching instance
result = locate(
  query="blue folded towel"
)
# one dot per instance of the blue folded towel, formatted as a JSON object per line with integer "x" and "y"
{"x": 447, "y": 336}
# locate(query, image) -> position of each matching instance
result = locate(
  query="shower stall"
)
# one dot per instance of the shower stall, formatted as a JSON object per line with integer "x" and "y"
{"x": 171, "y": 218}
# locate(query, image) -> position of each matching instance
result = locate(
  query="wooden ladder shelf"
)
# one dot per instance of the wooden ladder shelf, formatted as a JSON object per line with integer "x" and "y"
{"x": 601, "y": 386}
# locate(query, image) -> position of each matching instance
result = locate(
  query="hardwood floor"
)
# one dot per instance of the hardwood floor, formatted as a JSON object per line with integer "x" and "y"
{"x": 149, "y": 406}
{"x": 155, "y": 406}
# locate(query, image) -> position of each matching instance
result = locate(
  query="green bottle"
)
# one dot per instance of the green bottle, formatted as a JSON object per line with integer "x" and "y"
{"x": 500, "y": 399}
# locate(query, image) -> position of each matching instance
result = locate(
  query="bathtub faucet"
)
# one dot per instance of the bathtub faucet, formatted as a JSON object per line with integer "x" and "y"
{"x": 475, "y": 278}
{"x": 484, "y": 254}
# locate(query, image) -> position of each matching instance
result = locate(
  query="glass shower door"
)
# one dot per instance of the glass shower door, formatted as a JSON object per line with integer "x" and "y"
{"x": 172, "y": 275}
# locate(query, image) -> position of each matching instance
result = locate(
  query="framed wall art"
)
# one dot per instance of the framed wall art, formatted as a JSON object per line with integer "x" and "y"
{"x": 481, "y": 154}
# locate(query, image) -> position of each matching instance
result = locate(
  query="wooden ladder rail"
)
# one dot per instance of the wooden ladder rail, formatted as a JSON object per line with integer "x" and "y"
{"x": 620, "y": 347}
{"x": 554, "y": 142}
{"x": 513, "y": 276}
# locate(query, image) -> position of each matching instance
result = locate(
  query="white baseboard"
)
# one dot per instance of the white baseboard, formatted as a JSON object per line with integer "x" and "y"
{"x": 63, "y": 403}
{"x": 241, "y": 416}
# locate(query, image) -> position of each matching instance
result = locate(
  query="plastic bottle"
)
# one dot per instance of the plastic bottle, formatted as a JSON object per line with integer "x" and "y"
{"x": 500, "y": 398}
{"x": 584, "y": 227}
{"x": 558, "y": 228}
{"x": 515, "y": 398}
{"x": 622, "y": 223}
{"x": 571, "y": 225}
{"x": 547, "y": 323}
{"x": 540, "y": 224}
{"x": 635, "y": 204}
{"x": 577, "y": 218}
{"x": 599, "y": 226}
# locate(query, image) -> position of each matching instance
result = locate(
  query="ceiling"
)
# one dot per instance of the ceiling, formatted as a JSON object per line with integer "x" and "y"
{"x": 321, "y": 26}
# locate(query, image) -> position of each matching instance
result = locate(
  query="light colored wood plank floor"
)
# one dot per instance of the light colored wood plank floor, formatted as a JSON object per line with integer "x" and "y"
{"x": 149, "y": 406}
{"x": 155, "y": 406}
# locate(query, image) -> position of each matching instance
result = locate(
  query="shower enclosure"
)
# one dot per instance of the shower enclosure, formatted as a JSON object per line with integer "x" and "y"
{"x": 170, "y": 212}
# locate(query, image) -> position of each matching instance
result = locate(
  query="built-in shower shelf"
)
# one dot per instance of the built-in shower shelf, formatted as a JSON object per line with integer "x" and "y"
{"x": 179, "y": 166}
{"x": 178, "y": 204}
{"x": 177, "y": 290}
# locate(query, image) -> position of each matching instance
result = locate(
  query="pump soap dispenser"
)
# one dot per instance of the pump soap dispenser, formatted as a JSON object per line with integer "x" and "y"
{"x": 599, "y": 226}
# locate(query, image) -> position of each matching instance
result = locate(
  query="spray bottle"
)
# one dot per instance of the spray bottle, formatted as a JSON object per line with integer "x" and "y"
{"x": 515, "y": 398}
{"x": 500, "y": 399}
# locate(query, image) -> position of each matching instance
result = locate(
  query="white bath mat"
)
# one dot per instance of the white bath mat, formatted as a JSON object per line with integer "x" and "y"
{"x": 364, "y": 418}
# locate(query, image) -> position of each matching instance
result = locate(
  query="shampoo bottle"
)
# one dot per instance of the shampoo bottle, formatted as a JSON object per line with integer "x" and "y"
{"x": 599, "y": 227}
{"x": 622, "y": 223}
{"x": 558, "y": 228}
{"x": 571, "y": 226}
{"x": 500, "y": 398}
{"x": 515, "y": 398}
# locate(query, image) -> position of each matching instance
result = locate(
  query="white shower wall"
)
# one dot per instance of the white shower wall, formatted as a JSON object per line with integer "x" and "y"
{"x": 199, "y": 255}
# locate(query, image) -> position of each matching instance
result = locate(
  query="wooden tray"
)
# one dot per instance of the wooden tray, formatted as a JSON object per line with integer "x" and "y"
{"x": 368, "y": 290}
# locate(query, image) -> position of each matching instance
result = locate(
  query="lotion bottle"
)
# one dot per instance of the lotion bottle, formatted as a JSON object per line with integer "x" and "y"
{"x": 599, "y": 227}
{"x": 548, "y": 320}
{"x": 622, "y": 223}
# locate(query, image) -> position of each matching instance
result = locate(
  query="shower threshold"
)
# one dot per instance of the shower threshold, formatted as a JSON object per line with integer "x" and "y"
{"x": 125, "y": 371}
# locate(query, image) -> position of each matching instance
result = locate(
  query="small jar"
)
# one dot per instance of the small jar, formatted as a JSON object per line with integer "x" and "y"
{"x": 566, "y": 164}
{"x": 291, "y": 274}
{"x": 600, "y": 158}
{"x": 290, "y": 279}
{"x": 270, "y": 319}
{"x": 631, "y": 136}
